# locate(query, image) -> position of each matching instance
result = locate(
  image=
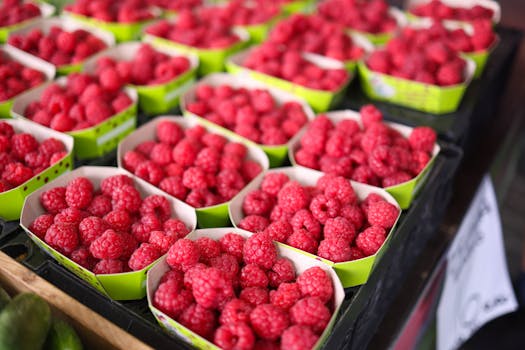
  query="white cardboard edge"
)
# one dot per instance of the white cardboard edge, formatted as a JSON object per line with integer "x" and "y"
{"x": 399, "y": 16}
{"x": 301, "y": 263}
{"x": 363, "y": 42}
{"x": 30, "y": 61}
{"x": 490, "y": 4}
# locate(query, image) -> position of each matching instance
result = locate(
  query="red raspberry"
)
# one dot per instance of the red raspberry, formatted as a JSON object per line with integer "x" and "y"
{"x": 6, "y": 129}
{"x": 82, "y": 257}
{"x": 169, "y": 132}
{"x": 339, "y": 228}
{"x": 315, "y": 282}
{"x": 301, "y": 239}
{"x": 298, "y": 337}
{"x": 63, "y": 238}
{"x": 260, "y": 250}
{"x": 396, "y": 179}
{"x": 264, "y": 344}
{"x": 126, "y": 198}
{"x": 370, "y": 240}
{"x": 278, "y": 214}
{"x": 303, "y": 219}
{"x": 370, "y": 115}
{"x": 100, "y": 205}
{"x": 173, "y": 185}
{"x": 16, "y": 174}
{"x": 282, "y": 271}
{"x": 114, "y": 183}
{"x": 286, "y": 295}
{"x": 313, "y": 141}
{"x": 54, "y": 200}
{"x": 130, "y": 245}
{"x": 175, "y": 227}
{"x": 171, "y": 300}
{"x": 365, "y": 175}
{"x": 199, "y": 319}
{"x": 183, "y": 254}
{"x": 161, "y": 154}
{"x": 356, "y": 253}
{"x": 279, "y": 231}
{"x": 233, "y": 244}
{"x": 22, "y": 144}
{"x": 70, "y": 216}
{"x": 230, "y": 162}
{"x": 161, "y": 240}
{"x": 419, "y": 161}
{"x": 384, "y": 161}
{"x": 422, "y": 138}
{"x": 150, "y": 172}
{"x": 208, "y": 159}
{"x": 449, "y": 74}
{"x": 382, "y": 214}
{"x": 40, "y": 225}
{"x": 254, "y": 223}
{"x": 236, "y": 310}
{"x": 324, "y": 208}
{"x": 227, "y": 264}
{"x": 36, "y": 160}
{"x": 132, "y": 160}
{"x": 250, "y": 170}
{"x": 293, "y": 197}
{"x": 211, "y": 288}
{"x": 235, "y": 148}
{"x": 214, "y": 141}
{"x": 208, "y": 248}
{"x": 255, "y": 295}
{"x": 175, "y": 275}
{"x": 144, "y": 256}
{"x": 257, "y": 203}
{"x": 253, "y": 276}
{"x": 234, "y": 336}
{"x": 334, "y": 249}
{"x": 106, "y": 266}
{"x": 56, "y": 157}
{"x": 195, "y": 133}
{"x": 156, "y": 204}
{"x": 371, "y": 198}
{"x": 311, "y": 312}
{"x": 119, "y": 220}
{"x": 90, "y": 228}
{"x": 195, "y": 178}
{"x": 190, "y": 273}
{"x": 109, "y": 245}
{"x": 185, "y": 153}
{"x": 340, "y": 188}
{"x": 269, "y": 321}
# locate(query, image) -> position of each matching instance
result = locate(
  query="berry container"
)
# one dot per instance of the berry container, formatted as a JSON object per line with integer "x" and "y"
{"x": 382, "y": 38}
{"x": 319, "y": 100}
{"x": 11, "y": 201}
{"x": 210, "y": 60}
{"x": 276, "y": 154}
{"x": 489, "y": 4}
{"x": 159, "y": 98}
{"x": 213, "y": 216}
{"x": 351, "y": 273}
{"x": 29, "y": 61}
{"x": 403, "y": 193}
{"x": 300, "y": 261}
{"x": 69, "y": 25}
{"x": 97, "y": 140}
{"x": 46, "y": 10}
{"x": 119, "y": 286}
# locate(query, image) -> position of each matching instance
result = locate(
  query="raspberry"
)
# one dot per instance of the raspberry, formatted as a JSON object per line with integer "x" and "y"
{"x": 279, "y": 231}
{"x": 422, "y": 138}
{"x": 175, "y": 227}
{"x": 263, "y": 344}
{"x": 311, "y": 312}
{"x": 269, "y": 321}
{"x": 36, "y": 160}
{"x": 109, "y": 245}
{"x": 293, "y": 197}
{"x": 315, "y": 282}
{"x": 236, "y": 310}
{"x": 173, "y": 185}
{"x": 313, "y": 141}
{"x": 208, "y": 248}
{"x": 303, "y": 219}
{"x": 161, "y": 154}
{"x": 158, "y": 205}
{"x": 253, "y": 276}
{"x": 382, "y": 214}
{"x": 190, "y": 273}
{"x": 371, "y": 198}
{"x": 119, "y": 220}
{"x": 54, "y": 200}
{"x": 339, "y": 228}
{"x": 6, "y": 129}
{"x": 175, "y": 275}
{"x": 106, "y": 266}
{"x": 130, "y": 245}
{"x": 370, "y": 240}
{"x": 334, "y": 249}
{"x": 324, "y": 208}
{"x": 257, "y": 203}
{"x": 255, "y": 295}
{"x": 100, "y": 205}
{"x": 383, "y": 161}
{"x": 233, "y": 244}
{"x": 215, "y": 141}
{"x": 185, "y": 153}
{"x": 365, "y": 175}
{"x": 419, "y": 161}
{"x": 340, "y": 188}
{"x": 183, "y": 254}
{"x": 356, "y": 253}
{"x": 208, "y": 159}
{"x": 69, "y": 216}
{"x": 195, "y": 133}
{"x": 370, "y": 115}
{"x": 145, "y": 147}
{"x": 235, "y": 148}
{"x": 449, "y": 74}
{"x": 282, "y": 271}
{"x": 199, "y": 319}
{"x": 132, "y": 160}
{"x": 114, "y": 183}
{"x": 16, "y": 174}
{"x": 90, "y": 228}
{"x": 211, "y": 288}
{"x": 150, "y": 172}
{"x": 234, "y": 336}
{"x": 254, "y": 223}
{"x": 63, "y": 238}
{"x": 171, "y": 300}
{"x": 144, "y": 255}
{"x": 126, "y": 198}
{"x": 286, "y": 295}
{"x": 231, "y": 162}
{"x": 260, "y": 250}
{"x": 301, "y": 239}
{"x": 22, "y": 144}
{"x": 82, "y": 257}
{"x": 194, "y": 178}
{"x": 396, "y": 179}
{"x": 161, "y": 240}
{"x": 298, "y": 337}
{"x": 40, "y": 225}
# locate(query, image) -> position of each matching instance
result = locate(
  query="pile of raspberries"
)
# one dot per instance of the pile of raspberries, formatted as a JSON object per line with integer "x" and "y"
{"x": 22, "y": 156}
{"x": 201, "y": 168}
{"x": 241, "y": 12}
{"x": 16, "y": 78}
{"x": 327, "y": 220}
{"x": 123, "y": 11}
{"x": 441, "y": 11}
{"x": 16, "y": 11}
{"x": 374, "y": 154}
{"x": 107, "y": 230}
{"x": 240, "y": 294}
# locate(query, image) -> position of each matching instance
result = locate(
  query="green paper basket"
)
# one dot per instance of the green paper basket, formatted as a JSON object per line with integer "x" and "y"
{"x": 119, "y": 286}
{"x": 69, "y": 25}
{"x": 97, "y": 140}
{"x": 300, "y": 262}
{"x": 210, "y": 60}
{"x": 153, "y": 99}
{"x": 46, "y": 10}
{"x": 296, "y": 6}
{"x": 319, "y": 100}
{"x": 29, "y": 61}
{"x": 419, "y": 96}
{"x": 493, "y": 5}
{"x": 350, "y": 273}
{"x": 213, "y": 216}
{"x": 403, "y": 193}
{"x": 11, "y": 201}
{"x": 382, "y": 38}
{"x": 276, "y": 154}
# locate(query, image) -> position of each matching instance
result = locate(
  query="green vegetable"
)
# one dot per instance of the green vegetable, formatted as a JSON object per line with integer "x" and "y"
{"x": 62, "y": 336}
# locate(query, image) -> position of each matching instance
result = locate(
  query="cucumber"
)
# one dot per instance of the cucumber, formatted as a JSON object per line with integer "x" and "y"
{"x": 24, "y": 323}
{"x": 62, "y": 336}
{"x": 4, "y": 298}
